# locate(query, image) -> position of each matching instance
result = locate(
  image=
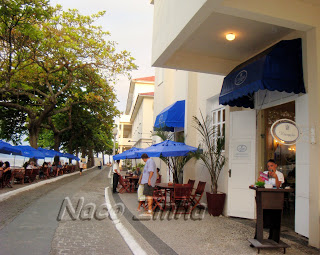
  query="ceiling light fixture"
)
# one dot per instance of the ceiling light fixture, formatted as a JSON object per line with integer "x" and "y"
{"x": 230, "y": 36}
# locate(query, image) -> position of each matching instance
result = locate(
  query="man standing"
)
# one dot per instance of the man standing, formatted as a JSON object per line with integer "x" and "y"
{"x": 116, "y": 172}
{"x": 149, "y": 178}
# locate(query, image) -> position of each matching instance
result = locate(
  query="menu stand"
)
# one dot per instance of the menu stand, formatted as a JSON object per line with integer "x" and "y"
{"x": 269, "y": 212}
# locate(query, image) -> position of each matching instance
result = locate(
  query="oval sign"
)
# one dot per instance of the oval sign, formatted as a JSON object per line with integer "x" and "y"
{"x": 285, "y": 131}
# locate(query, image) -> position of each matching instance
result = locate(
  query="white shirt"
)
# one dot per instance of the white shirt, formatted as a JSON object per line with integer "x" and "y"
{"x": 116, "y": 167}
{"x": 273, "y": 180}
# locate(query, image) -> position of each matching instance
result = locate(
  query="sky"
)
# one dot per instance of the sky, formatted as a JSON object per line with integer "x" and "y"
{"x": 130, "y": 25}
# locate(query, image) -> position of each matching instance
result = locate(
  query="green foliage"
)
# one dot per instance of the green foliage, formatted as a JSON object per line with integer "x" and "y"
{"x": 175, "y": 164}
{"x": 259, "y": 184}
{"x": 213, "y": 149}
{"x": 53, "y": 60}
{"x": 141, "y": 166}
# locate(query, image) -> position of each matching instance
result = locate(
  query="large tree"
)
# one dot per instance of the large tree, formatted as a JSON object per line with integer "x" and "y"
{"x": 61, "y": 59}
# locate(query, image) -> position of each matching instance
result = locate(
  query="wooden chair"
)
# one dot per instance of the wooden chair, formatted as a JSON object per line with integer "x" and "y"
{"x": 181, "y": 197}
{"x": 7, "y": 178}
{"x": 54, "y": 171}
{"x": 1, "y": 178}
{"x": 34, "y": 174}
{"x": 159, "y": 179}
{"x": 191, "y": 182}
{"x": 196, "y": 197}
{"x": 28, "y": 175}
{"x": 159, "y": 199}
{"x": 125, "y": 185}
{"x": 18, "y": 175}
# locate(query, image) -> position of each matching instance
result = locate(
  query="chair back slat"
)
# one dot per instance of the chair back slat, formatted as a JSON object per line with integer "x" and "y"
{"x": 200, "y": 188}
{"x": 182, "y": 191}
{"x": 191, "y": 182}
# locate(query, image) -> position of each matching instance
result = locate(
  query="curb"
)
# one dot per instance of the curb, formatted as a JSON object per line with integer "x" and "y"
{"x": 127, "y": 237}
{"x": 9, "y": 194}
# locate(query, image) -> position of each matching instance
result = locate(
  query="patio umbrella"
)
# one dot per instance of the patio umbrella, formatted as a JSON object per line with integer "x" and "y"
{"x": 68, "y": 155}
{"x": 6, "y": 148}
{"x": 49, "y": 153}
{"x": 167, "y": 148}
{"x": 128, "y": 154}
{"x": 30, "y": 152}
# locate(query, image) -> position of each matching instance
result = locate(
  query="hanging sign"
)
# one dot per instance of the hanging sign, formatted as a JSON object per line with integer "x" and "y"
{"x": 285, "y": 131}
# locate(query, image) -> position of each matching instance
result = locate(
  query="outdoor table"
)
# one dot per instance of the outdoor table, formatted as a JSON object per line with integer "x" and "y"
{"x": 169, "y": 188}
{"x": 133, "y": 182}
{"x": 271, "y": 200}
{"x": 18, "y": 173}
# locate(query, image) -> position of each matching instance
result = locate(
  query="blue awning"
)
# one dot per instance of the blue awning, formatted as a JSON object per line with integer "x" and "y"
{"x": 171, "y": 117}
{"x": 277, "y": 68}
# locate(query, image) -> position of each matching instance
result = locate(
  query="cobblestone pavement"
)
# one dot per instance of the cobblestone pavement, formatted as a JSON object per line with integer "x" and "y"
{"x": 29, "y": 221}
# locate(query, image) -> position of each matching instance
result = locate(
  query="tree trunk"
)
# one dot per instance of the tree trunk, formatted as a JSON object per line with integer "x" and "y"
{"x": 34, "y": 130}
{"x": 90, "y": 158}
{"x": 57, "y": 141}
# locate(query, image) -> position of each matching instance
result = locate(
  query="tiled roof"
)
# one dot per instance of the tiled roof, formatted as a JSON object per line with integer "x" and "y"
{"x": 147, "y": 94}
{"x": 150, "y": 78}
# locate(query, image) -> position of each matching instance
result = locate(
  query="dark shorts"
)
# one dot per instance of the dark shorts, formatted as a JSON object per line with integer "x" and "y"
{"x": 81, "y": 170}
{"x": 148, "y": 190}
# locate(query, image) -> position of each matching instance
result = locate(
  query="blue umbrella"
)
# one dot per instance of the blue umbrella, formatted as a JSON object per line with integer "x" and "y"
{"x": 7, "y": 148}
{"x": 49, "y": 153}
{"x": 68, "y": 155}
{"x": 29, "y": 152}
{"x": 128, "y": 154}
{"x": 167, "y": 149}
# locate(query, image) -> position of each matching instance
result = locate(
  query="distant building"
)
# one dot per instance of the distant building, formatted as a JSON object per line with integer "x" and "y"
{"x": 135, "y": 127}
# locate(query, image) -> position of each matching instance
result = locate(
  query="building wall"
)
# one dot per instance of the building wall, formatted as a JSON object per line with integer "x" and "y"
{"x": 170, "y": 33}
{"x": 140, "y": 88}
{"x": 165, "y": 15}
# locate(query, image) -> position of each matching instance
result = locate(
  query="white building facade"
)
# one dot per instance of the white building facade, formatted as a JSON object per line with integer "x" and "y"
{"x": 192, "y": 39}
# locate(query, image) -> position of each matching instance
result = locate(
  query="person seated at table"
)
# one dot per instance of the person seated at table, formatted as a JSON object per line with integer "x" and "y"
{"x": 275, "y": 177}
{"x": 59, "y": 166}
{"x": 1, "y": 168}
{"x": 41, "y": 174}
{"x": 6, "y": 170}
{"x": 137, "y": 172}
{"x": 158, "y": 173}
{"x": 31, "y": 165}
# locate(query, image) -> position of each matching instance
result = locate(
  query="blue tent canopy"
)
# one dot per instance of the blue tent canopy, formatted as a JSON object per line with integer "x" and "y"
{"x": 49, "y": 153}
{"x": 128, "y": 154}
{"x": 68, "y": 155}
{"x": 6, "y": 148}
{"x": 30, "y": 152}
{"x": 277, "y": 68}
{"x": 167, "y": 148}
{"x": 171, "y": 117}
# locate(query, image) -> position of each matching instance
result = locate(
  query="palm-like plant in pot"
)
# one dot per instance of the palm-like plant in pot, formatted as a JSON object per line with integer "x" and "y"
{"x": 214, "y": 160}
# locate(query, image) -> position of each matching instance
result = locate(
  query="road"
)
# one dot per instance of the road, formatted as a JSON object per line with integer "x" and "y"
{"x": 30, "y": 222}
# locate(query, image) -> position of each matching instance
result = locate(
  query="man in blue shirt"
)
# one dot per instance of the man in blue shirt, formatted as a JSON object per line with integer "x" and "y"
{"x": 149, "y": 178}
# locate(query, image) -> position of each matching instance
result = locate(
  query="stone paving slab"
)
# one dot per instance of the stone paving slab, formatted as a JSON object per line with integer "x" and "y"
{"x": 211, "y": 235}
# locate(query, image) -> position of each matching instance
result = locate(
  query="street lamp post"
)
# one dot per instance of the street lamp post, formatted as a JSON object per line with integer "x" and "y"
{"x": 114, "y": 132}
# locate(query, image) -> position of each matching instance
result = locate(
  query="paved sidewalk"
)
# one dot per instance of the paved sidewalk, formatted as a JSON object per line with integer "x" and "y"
{"x": 208, "y": 235}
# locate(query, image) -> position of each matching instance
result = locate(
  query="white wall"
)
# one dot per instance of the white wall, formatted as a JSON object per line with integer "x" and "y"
{"x": 166, "y": 25}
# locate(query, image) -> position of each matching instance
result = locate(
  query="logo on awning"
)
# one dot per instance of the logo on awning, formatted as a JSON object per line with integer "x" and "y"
{"x": 241, "y": 77}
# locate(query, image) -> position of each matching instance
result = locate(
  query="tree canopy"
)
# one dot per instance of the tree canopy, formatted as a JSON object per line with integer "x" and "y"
{"x": 54, "y": 66}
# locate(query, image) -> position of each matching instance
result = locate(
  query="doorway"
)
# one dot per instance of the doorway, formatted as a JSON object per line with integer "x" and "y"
{"x": 284, "y": 155}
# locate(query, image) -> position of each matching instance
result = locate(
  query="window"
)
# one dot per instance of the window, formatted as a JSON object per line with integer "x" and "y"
{"x": 218, "y": 121}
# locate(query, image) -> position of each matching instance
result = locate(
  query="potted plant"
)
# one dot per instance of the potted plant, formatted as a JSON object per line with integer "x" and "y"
{"x": 175, "y": 164}
{"x": 214, "y": 160}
